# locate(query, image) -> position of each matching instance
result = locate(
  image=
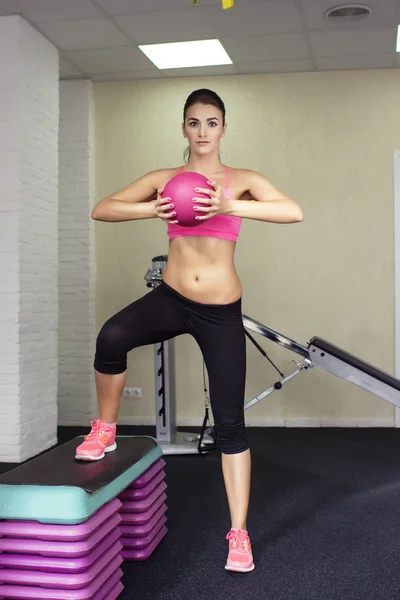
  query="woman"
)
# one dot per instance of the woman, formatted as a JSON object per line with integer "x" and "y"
{"x": 200, "y": 294}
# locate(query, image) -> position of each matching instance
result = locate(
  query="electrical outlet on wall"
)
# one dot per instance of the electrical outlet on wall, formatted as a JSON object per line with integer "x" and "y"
{"x": 132, "y": 393}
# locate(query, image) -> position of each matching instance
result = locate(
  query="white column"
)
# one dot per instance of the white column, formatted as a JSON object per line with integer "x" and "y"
{"x": 28, "y": 240}
{"x": 77, "y": 335}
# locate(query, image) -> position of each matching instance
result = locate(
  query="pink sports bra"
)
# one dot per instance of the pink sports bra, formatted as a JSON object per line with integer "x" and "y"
{"x": 225, "y": 227}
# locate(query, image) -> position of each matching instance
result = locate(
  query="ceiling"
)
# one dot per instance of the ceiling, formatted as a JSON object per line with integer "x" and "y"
{"x": 98, "y": 38}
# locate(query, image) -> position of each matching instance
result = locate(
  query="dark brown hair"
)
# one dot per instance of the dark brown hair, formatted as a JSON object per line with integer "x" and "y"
{"x": 202, "y": 96}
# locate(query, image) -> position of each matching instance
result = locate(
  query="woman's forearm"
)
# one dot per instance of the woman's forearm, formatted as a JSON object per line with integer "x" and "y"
{"x": 273, "y": 211}
{"x": 114, "y": 211}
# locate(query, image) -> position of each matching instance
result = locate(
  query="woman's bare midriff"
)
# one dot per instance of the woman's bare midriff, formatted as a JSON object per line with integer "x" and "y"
{"x": 202, "y": 269}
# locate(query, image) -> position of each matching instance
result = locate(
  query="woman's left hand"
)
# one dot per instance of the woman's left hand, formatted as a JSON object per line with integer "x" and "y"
{"x": 216, "y": 204}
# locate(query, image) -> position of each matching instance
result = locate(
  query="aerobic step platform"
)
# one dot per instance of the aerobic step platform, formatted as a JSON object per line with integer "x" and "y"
{"x": 60, "y": 527}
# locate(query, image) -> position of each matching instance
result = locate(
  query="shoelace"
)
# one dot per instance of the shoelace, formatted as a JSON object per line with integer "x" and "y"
{"x": 95, "y": 431}
{"x": 238, "y": 539}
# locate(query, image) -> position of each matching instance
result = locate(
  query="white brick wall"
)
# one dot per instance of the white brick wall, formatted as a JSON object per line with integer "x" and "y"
{"x": 77, "y": 333}
{"x": 28, "y": 240}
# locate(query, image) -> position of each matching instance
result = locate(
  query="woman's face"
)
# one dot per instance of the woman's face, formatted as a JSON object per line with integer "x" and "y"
{"x": 204, "y": 128}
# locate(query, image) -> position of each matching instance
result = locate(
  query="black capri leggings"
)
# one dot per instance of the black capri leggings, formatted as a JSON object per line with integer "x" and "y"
{"x": 218, "y": 329}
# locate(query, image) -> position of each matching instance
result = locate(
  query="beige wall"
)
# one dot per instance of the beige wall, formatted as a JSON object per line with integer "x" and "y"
{"x": 327, "y": 140}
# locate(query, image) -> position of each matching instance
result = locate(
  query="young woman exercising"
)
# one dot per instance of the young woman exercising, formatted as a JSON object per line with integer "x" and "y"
{"x": 200, "y": 294}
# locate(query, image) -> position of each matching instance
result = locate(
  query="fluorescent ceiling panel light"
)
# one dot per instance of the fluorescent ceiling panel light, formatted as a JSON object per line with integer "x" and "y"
{"x": 178, "y": 55}
{"x": 398, "y": 39}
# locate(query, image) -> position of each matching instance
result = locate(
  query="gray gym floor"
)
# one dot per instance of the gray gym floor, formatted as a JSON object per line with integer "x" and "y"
{"x": 324, "y": 520}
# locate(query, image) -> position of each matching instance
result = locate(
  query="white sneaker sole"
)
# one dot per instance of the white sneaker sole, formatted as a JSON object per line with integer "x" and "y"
{"x": 240, "y": 569}
{"x": 91, "y": 458}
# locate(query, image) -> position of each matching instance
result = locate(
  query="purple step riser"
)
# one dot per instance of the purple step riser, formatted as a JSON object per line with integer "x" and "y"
{"x": 97, "y": 590}
{"x": 144, "y": 554}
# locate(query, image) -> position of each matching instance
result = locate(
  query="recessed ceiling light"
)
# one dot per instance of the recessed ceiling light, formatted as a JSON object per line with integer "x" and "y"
{"x": 178, "y": 55}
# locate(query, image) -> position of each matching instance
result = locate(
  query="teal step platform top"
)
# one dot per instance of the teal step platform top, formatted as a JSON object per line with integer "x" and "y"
{"x": 55, "y": 488}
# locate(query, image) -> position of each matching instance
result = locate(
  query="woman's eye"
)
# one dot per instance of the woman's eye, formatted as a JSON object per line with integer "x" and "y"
{"x": 194, "y": 124}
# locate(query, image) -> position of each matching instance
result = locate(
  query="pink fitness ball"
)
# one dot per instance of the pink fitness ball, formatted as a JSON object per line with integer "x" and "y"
{"x": 181, "y": 191}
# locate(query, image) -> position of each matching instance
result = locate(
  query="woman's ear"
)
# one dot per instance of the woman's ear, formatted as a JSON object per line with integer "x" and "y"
{"x": 183, "y": 130}
{"x": 224, "y": 130}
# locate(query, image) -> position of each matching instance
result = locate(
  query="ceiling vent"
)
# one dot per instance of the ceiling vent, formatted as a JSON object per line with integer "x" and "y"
{"x": 348, "y": 12}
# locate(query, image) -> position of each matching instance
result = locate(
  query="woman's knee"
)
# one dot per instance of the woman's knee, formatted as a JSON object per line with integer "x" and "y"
{"x": 111, "y": 348}
{"x": 232, "y": 437}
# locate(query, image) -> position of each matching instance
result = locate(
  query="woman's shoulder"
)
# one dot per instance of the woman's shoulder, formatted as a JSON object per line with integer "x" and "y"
{"x": 159, "y": 177}
{"x": 161, "y": 174}
{"x": 239, "y": 172}
{"x": 242, "y": 180}
{"x": 244, "y": 176}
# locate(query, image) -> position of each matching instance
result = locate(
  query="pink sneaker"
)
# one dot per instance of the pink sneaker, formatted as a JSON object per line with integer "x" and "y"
{"x": 100, "y": 440}
{"x": 240, "y": 557}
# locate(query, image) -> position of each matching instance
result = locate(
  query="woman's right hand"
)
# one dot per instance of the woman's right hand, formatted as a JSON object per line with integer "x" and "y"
{"x": 164, "y": 208}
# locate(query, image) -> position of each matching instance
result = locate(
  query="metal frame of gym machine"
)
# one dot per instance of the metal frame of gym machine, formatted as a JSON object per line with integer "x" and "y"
{"x": 319, "y": 353}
